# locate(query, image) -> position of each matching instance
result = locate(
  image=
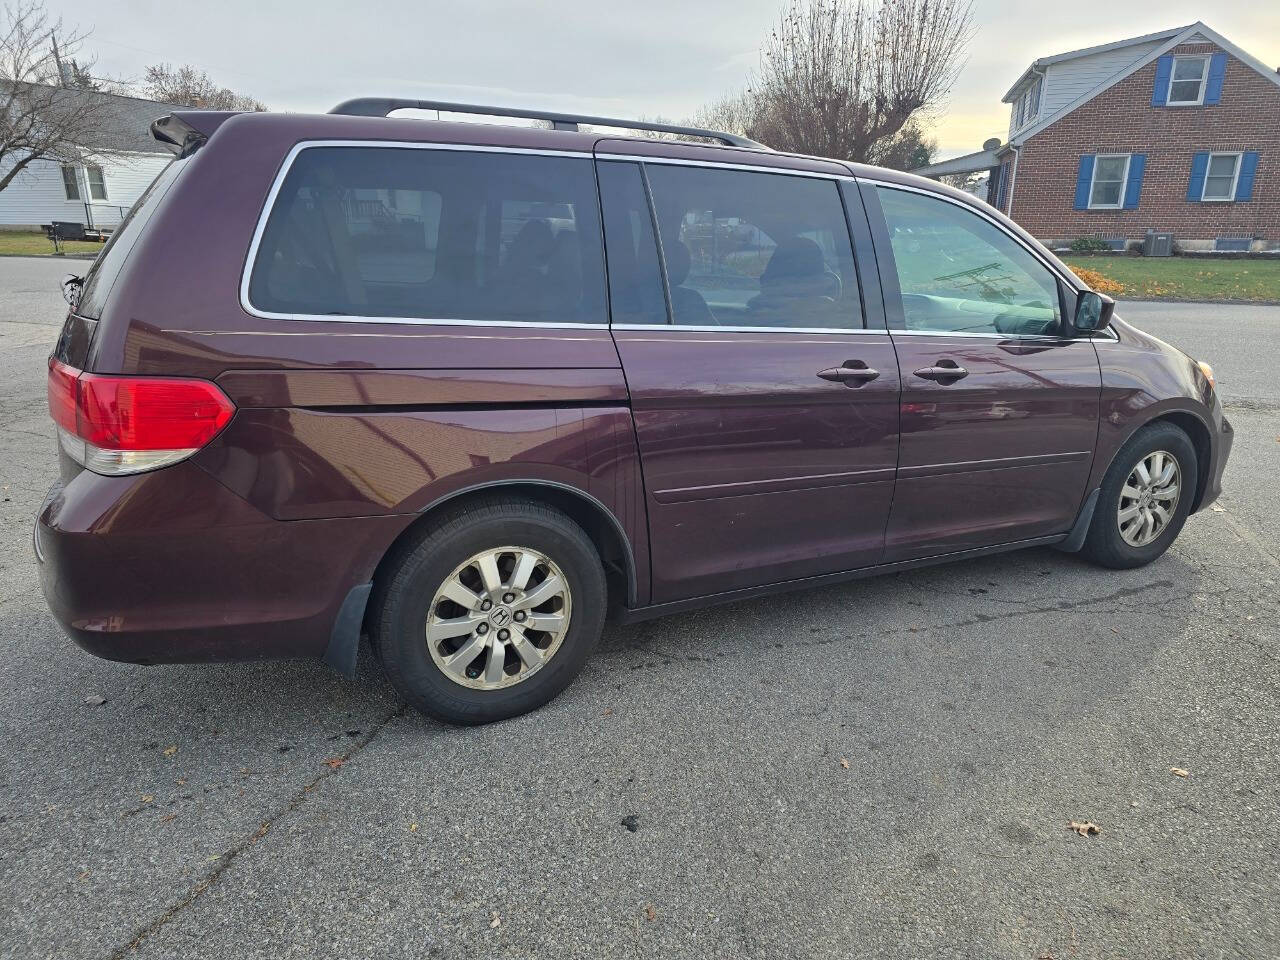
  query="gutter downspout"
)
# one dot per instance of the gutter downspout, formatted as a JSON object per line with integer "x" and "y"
{"x": 1017, "y": 150}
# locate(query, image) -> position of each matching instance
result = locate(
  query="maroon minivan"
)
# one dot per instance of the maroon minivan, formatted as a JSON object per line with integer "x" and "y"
{"x": 473, "y": 388}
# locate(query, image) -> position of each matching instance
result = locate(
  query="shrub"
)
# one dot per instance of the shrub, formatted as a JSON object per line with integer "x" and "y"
{"x": 1089, "y": 245}
{"x": 1099, "y": 283}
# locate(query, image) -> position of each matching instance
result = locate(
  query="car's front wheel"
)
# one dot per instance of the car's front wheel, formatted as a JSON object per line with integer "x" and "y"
{"x": 1145, "y": 498}
{"x": 489, "y": 612}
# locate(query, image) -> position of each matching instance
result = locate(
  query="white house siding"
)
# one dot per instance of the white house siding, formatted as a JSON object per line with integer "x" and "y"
{"x": 36, "y": 196}
{"x": 1069, "y": 80}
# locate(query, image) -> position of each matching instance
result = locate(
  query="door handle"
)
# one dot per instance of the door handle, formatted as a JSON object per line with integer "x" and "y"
{"x": 849, "y": 374}
{"x": 944, "y": 372}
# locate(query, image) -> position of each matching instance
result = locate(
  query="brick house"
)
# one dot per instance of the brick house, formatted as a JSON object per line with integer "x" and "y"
{"x": 1176, "y": 131}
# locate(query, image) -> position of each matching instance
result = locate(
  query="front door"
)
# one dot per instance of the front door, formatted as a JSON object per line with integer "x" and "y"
{"x": 999, "y": 402}
{"x": 766, "y": 412}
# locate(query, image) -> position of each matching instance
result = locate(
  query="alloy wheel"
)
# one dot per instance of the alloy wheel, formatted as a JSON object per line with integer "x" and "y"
{"x": 498, "y": 618}
{"x": 1149, "y": 498}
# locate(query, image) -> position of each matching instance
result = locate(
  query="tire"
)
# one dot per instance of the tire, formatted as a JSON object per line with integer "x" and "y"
{"x": 536, "y": 664}
{"x": 1106, "y": 544}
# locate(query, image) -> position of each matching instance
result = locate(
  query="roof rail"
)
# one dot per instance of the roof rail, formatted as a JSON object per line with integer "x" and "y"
{"x": 382, "y": 106}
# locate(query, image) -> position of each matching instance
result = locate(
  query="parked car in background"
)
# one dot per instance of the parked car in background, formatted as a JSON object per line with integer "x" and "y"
{"x": 472, "y": 388}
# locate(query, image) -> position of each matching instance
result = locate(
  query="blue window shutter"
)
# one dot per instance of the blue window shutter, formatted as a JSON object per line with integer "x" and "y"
{"x": 1199, "y": 167}
{"x": 1164, "y": 70}
{"x": 1133, "y": 189}
{"x": 1244, "y": 184}
{"x": 1217, "y": 70}
{"x": 1084, "y": 179}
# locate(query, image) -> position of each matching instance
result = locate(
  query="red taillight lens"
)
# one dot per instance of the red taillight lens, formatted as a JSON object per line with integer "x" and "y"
{"x": 129, "y": 424}
{"x": 142, "y": 413}
{"x": 62, "y": 394}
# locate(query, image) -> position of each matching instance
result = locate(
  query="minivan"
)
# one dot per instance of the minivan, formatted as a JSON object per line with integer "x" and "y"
{"x": 472, "y": 388}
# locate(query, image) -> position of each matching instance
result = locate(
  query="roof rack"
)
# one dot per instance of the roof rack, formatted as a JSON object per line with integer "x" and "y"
{"x": 382, "y": 106}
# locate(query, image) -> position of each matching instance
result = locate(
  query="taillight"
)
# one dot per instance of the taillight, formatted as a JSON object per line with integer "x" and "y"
{"x": 117, "y": 425}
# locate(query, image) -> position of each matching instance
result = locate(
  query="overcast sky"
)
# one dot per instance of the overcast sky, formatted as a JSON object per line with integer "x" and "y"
{"x": 640, "y": 58}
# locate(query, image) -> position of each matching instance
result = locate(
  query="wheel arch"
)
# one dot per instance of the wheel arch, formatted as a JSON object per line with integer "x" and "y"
{"x": 1196, "y": 429}
{"x": 601, "y": 525}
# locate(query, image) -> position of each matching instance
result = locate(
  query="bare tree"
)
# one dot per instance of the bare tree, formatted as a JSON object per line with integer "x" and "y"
{"x": 839, "y": 77}
{"x": 188, "y": 86}
{"x": 45, "y": 111}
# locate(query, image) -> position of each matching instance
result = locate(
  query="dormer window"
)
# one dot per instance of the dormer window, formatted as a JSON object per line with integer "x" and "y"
{"x": 1027, "y": 107}
{"x": 1187, "y": 81}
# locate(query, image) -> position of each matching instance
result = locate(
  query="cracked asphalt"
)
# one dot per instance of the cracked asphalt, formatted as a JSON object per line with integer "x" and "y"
{"x": 979, "y": 708}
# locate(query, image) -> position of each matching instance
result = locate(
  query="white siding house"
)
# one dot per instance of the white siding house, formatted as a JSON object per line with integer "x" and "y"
{"x": 99, "y": 191}
{"x": 1052, "y": 83}
{"x": 97, "y": 196}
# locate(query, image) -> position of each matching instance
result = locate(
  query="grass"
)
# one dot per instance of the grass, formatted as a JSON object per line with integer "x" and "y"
{"x": 35, "y": 244}
{"x": 1186, "y": 278}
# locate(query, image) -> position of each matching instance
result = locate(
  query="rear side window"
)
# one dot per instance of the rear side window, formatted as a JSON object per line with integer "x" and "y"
{"x": 433, "y": 235}
{"x": 755, "y": 249}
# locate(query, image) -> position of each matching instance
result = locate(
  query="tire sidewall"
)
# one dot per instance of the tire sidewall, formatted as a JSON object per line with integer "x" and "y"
{"x": 401, "y": 629}
{"x": 1106, "y": 543}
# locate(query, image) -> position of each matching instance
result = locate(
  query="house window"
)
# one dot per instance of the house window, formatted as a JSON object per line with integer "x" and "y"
{"x": 1221, "y": 176}
{"x": 1109, "y": 176}
{"x": 1027, "y": 107}
{"x": 1186, "y": 82}
{"x": 97, "y": 185}
{"x": 70, "y": 182}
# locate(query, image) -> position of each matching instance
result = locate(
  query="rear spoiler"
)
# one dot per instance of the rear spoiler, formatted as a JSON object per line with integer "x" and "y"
{"x": 186, "y": 131}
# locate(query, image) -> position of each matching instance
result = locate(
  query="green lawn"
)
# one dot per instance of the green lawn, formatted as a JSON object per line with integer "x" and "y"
{"x": 37, "y": 244}
{"x": 1187, "y": 278}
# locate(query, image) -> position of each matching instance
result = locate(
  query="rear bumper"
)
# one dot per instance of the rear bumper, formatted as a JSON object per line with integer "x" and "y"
{"x": 172, "y": 567}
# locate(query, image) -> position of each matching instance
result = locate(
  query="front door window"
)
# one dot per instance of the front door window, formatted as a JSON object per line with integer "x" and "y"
{"x": 960, "y": 273}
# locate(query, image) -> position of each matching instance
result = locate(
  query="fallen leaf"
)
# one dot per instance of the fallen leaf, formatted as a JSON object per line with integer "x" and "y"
{"x": 496, "y": 921}
{"x": 608, "y": 712}
{"x": 95, "y": 700}
{"x": 335, "y": 762}
{"x": 650, "y": 912}
{"x": 181, "y": 781}
{"x": 169, "y": 819}
{"x": 170, "y": 751}
{"x": 1217, "y": 509}
{"x": 1086, "y": 829}
{"x": 1179, "y": 772}
{"x": 147, "y": 798}
{"x": 844, "y": 763}
{"x": 413, "y": 828}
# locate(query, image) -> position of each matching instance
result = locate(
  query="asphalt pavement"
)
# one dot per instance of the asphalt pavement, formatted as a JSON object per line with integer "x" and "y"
{"x": 881, "y": 769}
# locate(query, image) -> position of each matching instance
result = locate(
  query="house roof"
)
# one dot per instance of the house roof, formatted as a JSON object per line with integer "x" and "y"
{"x": 1197, "y": 31}
{"x": 120, "y": 124}
{"x": 1042, "y": 62}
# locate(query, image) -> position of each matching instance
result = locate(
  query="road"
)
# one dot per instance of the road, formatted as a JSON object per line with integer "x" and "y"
{"x": 280, "y": 810}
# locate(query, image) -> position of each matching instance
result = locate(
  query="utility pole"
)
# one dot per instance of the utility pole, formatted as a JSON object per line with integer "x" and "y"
{"x": 57, "y": 60}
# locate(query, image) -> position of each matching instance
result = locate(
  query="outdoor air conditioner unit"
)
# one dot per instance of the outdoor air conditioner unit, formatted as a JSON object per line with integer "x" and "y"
{"x": 1157, "y": 244}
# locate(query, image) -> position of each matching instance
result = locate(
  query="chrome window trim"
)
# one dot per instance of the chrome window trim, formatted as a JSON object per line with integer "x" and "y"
{"x": 971, "y": 334}
{"x": 247, "y": 272}
{"x": 724, "y": 165}
{"x": 716, "y": 328}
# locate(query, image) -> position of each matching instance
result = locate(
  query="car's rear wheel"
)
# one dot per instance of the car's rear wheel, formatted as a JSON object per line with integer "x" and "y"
{"x": 1144, "y": 499}
{"x": 489, "y": 612}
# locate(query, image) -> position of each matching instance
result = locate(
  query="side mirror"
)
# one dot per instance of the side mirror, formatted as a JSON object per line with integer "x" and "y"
{"x": 1093, "y": 311}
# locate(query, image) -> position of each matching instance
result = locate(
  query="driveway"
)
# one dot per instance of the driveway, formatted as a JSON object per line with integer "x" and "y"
{"x": 880, "y": 769}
